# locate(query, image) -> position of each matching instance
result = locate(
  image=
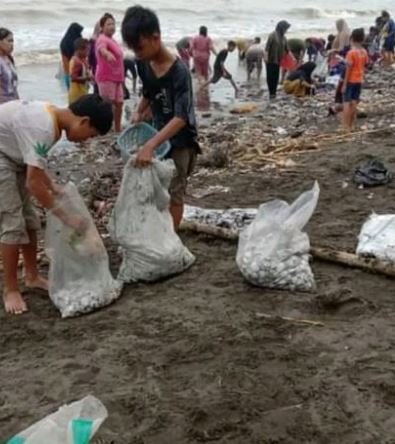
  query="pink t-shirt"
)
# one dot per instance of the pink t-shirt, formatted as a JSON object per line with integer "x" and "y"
{"x": 201, "y": 47}
{"x": 106, "y": 71}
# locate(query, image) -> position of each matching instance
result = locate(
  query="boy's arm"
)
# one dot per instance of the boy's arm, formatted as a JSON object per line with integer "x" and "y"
{"x": 137, "y": 116}
{"x": 182, "y": 109}
{"x": 76, "y": 74}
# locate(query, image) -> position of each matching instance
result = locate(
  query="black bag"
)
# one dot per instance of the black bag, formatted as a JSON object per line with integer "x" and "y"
{"x": 372, "y": 174}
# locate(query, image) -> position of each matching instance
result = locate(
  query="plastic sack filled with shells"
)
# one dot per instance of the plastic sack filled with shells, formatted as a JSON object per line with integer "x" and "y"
{"x": 80, "y": 280}
{"x": 142, "y": 225}
{"x": 273, "y": 251}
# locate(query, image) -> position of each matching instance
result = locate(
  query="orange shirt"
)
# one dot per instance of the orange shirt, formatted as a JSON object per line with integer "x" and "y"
{"x": 357, "y": 59}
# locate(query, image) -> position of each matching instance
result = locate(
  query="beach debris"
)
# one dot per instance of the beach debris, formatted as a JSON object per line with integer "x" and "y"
{"x": 373, "y": 173}
{"x": 273, "y": 251}
{"x": 232, "y": 218}
{"x": 142, "y": 225}
{"x": 212, "y": 189}
{"x": 307, "y": 322}
{"x": 377, "y": 237}
{"x": 79, "y": 276}
{"x": 73, "y": 423}
{"x": 244, "y": 108}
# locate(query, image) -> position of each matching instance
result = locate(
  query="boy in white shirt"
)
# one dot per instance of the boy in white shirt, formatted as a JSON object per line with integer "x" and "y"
{"x": 28, "y": 130}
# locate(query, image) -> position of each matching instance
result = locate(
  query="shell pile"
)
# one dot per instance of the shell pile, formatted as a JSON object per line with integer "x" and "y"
{"x": 293, "y": 274}
{"x": 83, "y": 297}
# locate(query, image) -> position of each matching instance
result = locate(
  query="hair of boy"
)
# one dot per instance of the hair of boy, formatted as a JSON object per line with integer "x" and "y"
{"x": 257, "y": 40}
{"x": 139, "y": 22}
{"x": 97, "y": 109}
{"x": 104, "y": 18}
{"x": 358, "y": 35}
{"x": 4, "y": 33}
{"x": 331, "y": 38}
{"x": 203, "y": 31}
{"x": 385, "y": 14}
{"x": 231, "y": 44}
{"x": 81, "y": 44}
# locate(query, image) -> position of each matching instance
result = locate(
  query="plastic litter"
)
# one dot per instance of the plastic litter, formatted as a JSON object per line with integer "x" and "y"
{"x": 273, "y": 251}
{"x": 142, "y": 225}
{"x": 135, "y": 136}
{"x": 76, "y": 423}
{"x": 377, "y": 237}
{"x": 79, "y": 276}
{"x": 373, "y": 173}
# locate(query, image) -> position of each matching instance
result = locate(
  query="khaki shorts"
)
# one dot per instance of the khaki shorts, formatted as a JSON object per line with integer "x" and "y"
{"x": 185, "y": 160}
{"x": 17, "y": 213}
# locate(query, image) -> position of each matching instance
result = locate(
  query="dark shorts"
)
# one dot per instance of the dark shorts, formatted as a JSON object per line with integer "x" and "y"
{"x": 389, "y": 45}
{"x": 339, "y": 94}
{"x": 184, "y": 160}
{"x": 218, "y": 75}
{"x": 353, "y": 92}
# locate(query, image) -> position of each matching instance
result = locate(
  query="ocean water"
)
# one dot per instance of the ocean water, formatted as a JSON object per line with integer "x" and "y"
{"x": 39, "y": 25}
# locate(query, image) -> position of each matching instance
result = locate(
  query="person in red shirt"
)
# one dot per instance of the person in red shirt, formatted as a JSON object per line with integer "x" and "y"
{"x": 357, "y": 59}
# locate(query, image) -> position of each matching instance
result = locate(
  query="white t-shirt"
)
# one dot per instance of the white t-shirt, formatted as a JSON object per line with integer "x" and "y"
{"x": 28, "y": 130}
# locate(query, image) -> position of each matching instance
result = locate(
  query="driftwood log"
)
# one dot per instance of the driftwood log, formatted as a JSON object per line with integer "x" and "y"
{"x": 371, "y": 265}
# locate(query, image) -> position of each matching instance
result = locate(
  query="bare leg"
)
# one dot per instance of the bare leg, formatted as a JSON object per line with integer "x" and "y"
{"x": 134, "y": 85}
{"x": 176, "y": 211}
{"x": 354, "y": 112}
{"x": 29, "y": 251}
{"x": 13, "y": 301}
{"x": 347, "y": 117}
{"x": 118, "y": 117}
{"x": 234, "y": 86}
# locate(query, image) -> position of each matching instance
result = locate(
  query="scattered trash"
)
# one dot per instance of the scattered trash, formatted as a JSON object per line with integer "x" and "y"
{"x": 373, "y": 173}
{"x": 142, "y": 225}
{"x": 377, "y": 237}
{"x": 79, "y": 276}
{"x": 244, "y": 108}
{"x": 212, "y": 189}
{"x": 76, "y": 423}
{"x": 233, "y": 218}
{"x": 273, "y": 251}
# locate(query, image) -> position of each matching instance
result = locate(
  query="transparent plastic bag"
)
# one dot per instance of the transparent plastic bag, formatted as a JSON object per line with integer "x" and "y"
{"x": 142, "y": 225}
{"x": 80, "y": 280}
{"x": 377, "y": 237}
{"x": 273, "y": 251}
{"x": 75, "y": 423}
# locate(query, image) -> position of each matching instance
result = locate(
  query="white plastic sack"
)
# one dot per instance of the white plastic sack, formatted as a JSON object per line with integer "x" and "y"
{"x": 80, "y": 280}
{"x": 142, "y": 225}
{"x": 321, "y": 69}
{"x": 377, "y": 237}
{"x": 75, "y": 423}
{"x": 273, "y": 251}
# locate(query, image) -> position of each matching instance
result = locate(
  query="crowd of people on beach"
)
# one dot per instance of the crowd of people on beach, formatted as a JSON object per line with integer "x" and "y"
{"x": 28, "y": 130}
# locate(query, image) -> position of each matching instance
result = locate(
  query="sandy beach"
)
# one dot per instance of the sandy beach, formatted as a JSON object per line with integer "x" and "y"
{"x": 193, "y": 359}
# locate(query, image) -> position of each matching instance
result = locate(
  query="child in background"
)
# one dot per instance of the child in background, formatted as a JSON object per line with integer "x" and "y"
{"x": 28, "y": 130}
{"x": 219, "y": 67}
{"x": 167, "y": 90}
{"x": 356, "y": 59}
{"x": 329, "y": 44}
{"x": 80, "y": 75}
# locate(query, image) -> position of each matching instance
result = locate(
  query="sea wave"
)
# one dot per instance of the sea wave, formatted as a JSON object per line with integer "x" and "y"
{"x": 37, "y": 57}
{"x": 319, "y": 13}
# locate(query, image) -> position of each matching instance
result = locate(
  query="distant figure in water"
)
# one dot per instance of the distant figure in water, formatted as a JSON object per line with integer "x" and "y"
{"x": 276, "y": 49}
{"x": 8, "y": 75}
{"x": 220, "y": 72}
{"x": 202, "y": 47}
{"x": 80, "y": 73}
{"x": 299, "y": 82}
{"x": 73, "y": 33}
{"x": 342, "y": 39}
{"x": 388, "y": 35}
{"x": 254, "y": 58}
{"x": 184, "y": 48}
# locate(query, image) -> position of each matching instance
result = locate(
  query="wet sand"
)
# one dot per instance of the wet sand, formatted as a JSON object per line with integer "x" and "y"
{"x": 190, "y": 359}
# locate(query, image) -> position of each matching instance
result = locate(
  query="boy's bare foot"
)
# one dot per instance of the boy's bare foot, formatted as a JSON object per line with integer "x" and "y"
{"x": 39, "y": 283}
{"x": 14, "y": 303}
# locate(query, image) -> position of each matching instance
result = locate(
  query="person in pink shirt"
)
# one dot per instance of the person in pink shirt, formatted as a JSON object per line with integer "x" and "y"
{"x": 202, "y": 46}
{"x": 110, "y": 74}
